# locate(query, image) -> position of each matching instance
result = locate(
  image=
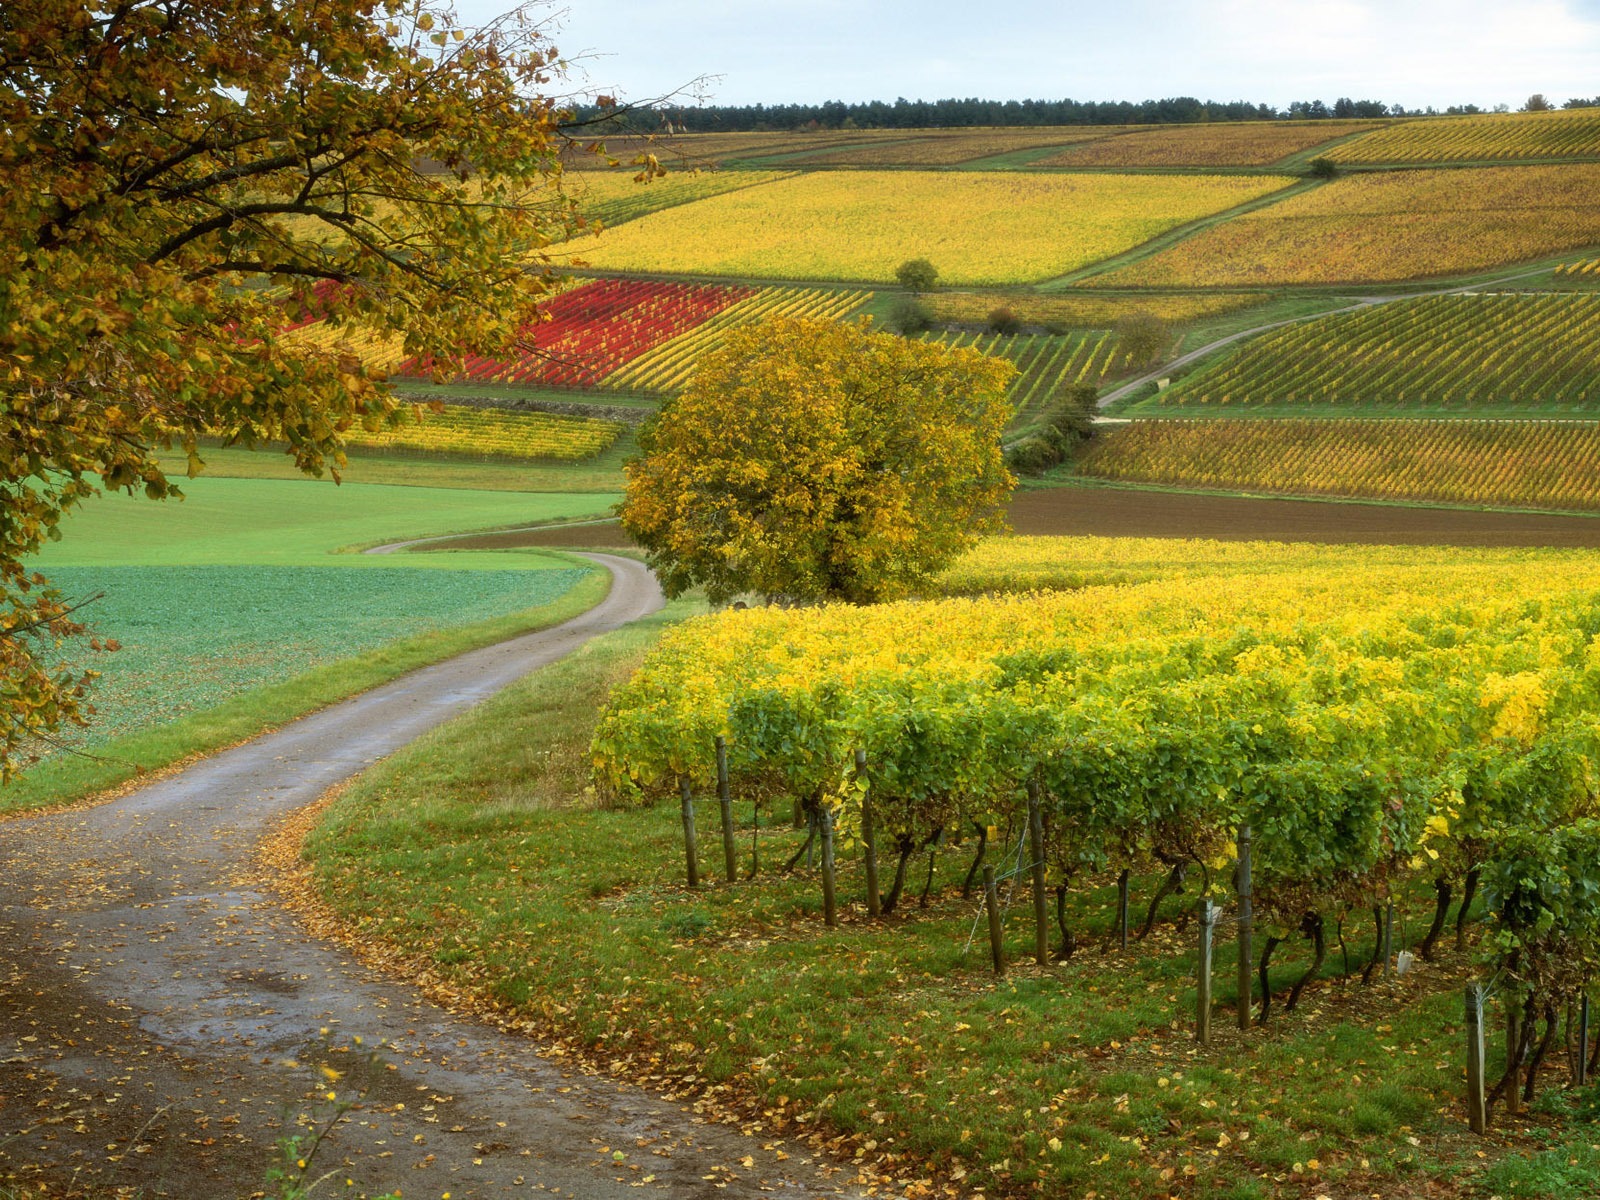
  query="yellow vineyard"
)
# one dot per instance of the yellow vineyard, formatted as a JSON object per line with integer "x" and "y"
{"x": 976, "y": 227}
{"x": 1387, "y": 226}
{"x": 492, "y": 433}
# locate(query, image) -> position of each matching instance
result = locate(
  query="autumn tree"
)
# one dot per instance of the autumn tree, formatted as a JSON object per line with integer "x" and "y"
{"x": 184, "y": 180}
{"x": 816, "y": 460}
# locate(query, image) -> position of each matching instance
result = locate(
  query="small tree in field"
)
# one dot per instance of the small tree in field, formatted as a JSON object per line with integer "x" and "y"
{"x": 917, "y": 274}
{"x": 813, "y": 460}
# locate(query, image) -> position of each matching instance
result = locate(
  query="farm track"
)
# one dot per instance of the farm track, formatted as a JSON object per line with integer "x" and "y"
{"x": 155, "y": 996}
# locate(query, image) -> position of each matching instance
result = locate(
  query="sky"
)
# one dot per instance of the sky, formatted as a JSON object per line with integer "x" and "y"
{"x": 1413, "y": 52}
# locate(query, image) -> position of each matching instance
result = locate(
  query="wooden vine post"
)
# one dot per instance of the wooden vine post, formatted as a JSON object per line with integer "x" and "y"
{"x": 829, "y": 911}
{"x": 1582, "y": 1064}
{"x": 991, "y": 902}
{"x": 1246, "y": 919}
{"x": 1202, "y": 1003}
{"x": 1122, "y": 911}
{"x": 1477, "y": 1108}
{"x": 869, "y": 839}
{"x": 1513, "y": 1044}
{"x": 1041, "y": 909}
{"x": 690, "y": 849}
{"x": 730, "y": 857}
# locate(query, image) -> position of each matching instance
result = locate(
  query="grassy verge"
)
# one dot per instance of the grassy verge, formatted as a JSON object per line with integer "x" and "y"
{"x": 477, "y": 855}
{"x": 602, "y": 473}
{"x": 69, "y": 778}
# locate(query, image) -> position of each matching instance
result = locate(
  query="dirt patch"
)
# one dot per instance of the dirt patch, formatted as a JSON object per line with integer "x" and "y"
{"x": 1117, "y": 512}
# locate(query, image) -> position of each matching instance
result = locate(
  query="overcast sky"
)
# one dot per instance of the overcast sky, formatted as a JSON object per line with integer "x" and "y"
{"x": 1415, "y": 52}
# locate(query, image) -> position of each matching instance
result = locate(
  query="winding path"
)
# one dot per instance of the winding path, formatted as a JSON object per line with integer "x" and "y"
{"x": 162, "y": 1019}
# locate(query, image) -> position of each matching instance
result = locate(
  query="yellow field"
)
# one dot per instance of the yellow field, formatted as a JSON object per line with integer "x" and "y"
{"x": 948, "y": 147}
{"x": 1244, "y": 144}
{"x": 612, "y": 197}
{"x": 493, "y": 433}
{"x": 1386, "y": 226}
{"x": 1084, "y": 312}
{"x": 691, "y": 150}
{"x": 976, "y": 227}
{"x": 1570, "y": 134}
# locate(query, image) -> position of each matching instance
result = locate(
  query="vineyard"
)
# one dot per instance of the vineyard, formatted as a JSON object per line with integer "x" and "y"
{"x": 491, "y": 433}
{"x": 979, "y": 227}
{"x": 1047, "y": 366}
{"x": 1447, "y": 352}
{"x": 1080, "y": 311}
{"x": 1241, "y": 144}
{"x": 668, "y": 366}
{"x": 1589, "y": 268}
{"x": 1386, "y": 226}
{"x": 610, "y": 198}
{"x": 948, "y": 147}
{"x": 1373, "y": 733}
{"x": 1519, "y": 464}
{"x": 1571, "y": 134}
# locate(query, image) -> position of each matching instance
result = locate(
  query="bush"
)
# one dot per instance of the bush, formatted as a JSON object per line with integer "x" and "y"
{"x": 918, "y": 274}
{"x": 909, "y": 315}
{"x": 1005, "y": 320}
{"x": 1322, "y": 168}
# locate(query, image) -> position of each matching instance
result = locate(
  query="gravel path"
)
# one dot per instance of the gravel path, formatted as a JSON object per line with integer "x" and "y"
{"x": 163, "y": 1021}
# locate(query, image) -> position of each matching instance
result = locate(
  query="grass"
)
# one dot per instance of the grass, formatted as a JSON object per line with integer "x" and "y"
{"x": 66, "y": 778}
{"x": 603, "y": 473}
{"x": 477, "y": 853}
{"x": 295, "y": 522}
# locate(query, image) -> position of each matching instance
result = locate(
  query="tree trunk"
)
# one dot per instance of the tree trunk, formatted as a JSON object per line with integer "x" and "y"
{"x": 1069, "y": 943}
{"x": 1266, "y": 982}
{"x": 1377, "y": 948}
{"x": 1514, "y": 1067}
{"x": 977, "y": 861}
{"x": 1169, "y": 886}
{"x": 932, "y": 845}
{"x": 1538, "y": 1055}
{"x": 1469, "y": 889}
{"x": 1311, "y": 926}
{"x": 907, "y": 846}
{"x": 1441, "y": 909}
{"x": 805, "y": 848}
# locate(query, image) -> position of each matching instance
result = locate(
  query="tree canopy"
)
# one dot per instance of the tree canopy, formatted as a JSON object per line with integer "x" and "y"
{"x": 816, "y": 460}
{"x": 185, "y": 179}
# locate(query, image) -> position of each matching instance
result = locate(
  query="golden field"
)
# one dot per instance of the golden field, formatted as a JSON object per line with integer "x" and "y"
{"x": 1570, "y": 134}
{"x": 976, "y": 227}
{"x": 1242, "y": 144}
{"x": 1084, "y": 312}
{"x": 612, "y": 197}
{"x": 1387, "y": 226}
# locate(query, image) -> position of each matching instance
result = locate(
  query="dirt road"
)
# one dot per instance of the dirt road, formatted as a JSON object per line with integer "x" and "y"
{"x": 163, "y": 1021}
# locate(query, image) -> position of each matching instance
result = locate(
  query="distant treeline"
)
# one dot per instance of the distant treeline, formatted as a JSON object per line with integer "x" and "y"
{"x": 938, "y": 114}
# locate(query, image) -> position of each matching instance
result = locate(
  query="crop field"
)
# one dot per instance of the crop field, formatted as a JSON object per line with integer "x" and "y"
{"x": 1231, "y": 144}
{"x": 590, "y": 331}
{"x": 612, "y": 197}
{"x": 1588, "y": 268}
{"x": 669, "y": 366}
{"x": 1515, "y": 464}
{"x": 490, "y": 433}
{"x": 266, "y": 624}
{"x": 1047, "y": 365}
{"x": 1081, "y": 311}
{"x": 1387, "y": 226}
{"x": 1062, "y": 1078}
{"x": 1492, "y": 136}
{"x": 1440, "y": 352}
{"x": 950, "y": 147}
{"x": 976, "y": 227}
{"x": 696, "y": 151}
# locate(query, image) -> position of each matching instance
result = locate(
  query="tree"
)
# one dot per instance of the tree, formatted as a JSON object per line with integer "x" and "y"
{"x": 917, "y": 274}
{"x": 1537, "y": 103}
{"x": 1322, "y": 168}
{"x": 185, "y": 179}
{"x": 815, "y": 460}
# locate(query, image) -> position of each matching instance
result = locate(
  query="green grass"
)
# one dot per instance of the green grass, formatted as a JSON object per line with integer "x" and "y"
{"x": 478, "y": 854}
{"x": 66, "y": 778}
{"x": 296, "y": 523}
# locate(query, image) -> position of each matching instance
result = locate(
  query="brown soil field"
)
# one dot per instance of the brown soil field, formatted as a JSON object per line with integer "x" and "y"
{"x": 1118, "y": 512}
